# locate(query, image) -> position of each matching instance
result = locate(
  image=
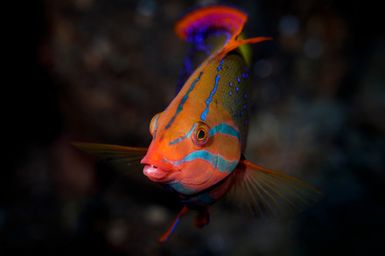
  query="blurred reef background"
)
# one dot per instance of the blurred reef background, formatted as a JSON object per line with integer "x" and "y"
{"x": 98, "y": 70}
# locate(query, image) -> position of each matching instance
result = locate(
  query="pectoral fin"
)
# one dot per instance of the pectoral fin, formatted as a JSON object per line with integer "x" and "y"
{"x": 268, "y": 192}
{"x": 114, "y": 153}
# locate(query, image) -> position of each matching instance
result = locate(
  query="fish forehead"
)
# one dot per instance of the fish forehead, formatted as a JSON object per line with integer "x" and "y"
{"x": 217, "y": 86}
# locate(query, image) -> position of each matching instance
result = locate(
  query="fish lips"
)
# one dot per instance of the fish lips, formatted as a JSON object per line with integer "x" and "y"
{"x": 159, "y": 174}
{"x": 154, "y": 173}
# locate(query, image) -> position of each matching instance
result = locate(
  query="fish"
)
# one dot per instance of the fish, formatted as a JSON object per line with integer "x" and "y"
{"x": 198, "y": 142}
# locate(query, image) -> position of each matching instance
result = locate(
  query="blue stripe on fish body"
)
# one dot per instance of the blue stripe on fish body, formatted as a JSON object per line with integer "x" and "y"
{"x": 220, "y": 66}
{"x": 181, "y": 189}
{"x": 224, "y": 129}
{"x": 201, "y": 199}
{"x": 156, "y": 125}
{"x": 183, "y": 101}
{"x": 210, "y": 98}
{"x": 205, "y": 198}
{"x": 187, "y": 135}
{"x": 216, "y": 161}
{"x": 221, "y": 128}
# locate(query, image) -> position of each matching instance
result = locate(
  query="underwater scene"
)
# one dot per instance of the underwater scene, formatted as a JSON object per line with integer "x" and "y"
{"x": 207, "y": 127}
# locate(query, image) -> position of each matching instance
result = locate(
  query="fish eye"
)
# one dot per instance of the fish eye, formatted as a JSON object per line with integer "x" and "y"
{"x": 201, "y": 134}
{"x": 154, "y": 124}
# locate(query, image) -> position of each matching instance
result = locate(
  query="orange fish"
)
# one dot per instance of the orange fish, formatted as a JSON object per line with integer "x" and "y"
{"x": 199, "y": 139}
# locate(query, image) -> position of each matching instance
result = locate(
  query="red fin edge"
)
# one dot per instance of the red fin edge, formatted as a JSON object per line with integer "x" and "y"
{"x": 221, "y": 17}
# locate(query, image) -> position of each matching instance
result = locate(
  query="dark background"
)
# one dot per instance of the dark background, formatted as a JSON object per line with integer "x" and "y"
{"x": 97, "y": 70}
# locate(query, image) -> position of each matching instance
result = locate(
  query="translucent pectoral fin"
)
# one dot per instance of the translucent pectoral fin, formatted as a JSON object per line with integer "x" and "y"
{"x": 113, "y": 153}
{"x": 268, "y": 192}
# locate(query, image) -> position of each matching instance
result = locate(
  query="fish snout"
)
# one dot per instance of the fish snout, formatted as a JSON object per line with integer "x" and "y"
{"x": 154, "y": 173}
{"x": 157, "y": 171}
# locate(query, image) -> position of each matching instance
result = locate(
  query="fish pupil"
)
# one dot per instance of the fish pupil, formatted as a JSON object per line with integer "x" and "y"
{"x": 201, "y": 134}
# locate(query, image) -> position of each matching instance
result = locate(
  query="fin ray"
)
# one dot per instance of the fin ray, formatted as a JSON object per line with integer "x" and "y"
{"x": 211, "y": 17}
{"x": 270, "y": 193}
{"x": 113, "y": 153}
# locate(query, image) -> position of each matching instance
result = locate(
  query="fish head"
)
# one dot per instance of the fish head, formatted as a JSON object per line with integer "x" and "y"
{"x": 188, "y": 154}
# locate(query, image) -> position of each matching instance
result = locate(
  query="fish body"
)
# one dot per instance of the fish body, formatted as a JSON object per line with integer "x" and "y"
{"x": 198, "y": 144}
{"x": 213, "y": 101}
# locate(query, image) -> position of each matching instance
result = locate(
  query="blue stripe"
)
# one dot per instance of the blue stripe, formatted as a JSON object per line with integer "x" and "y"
{"x": 219, "y": 68}
{"x": 221, "y": 128}
{"x": 181, "y": 189}
{"x": 209, "y": 99}
{"x": 225, "y": 129}
{"x": 156, "y": 125}
{"x": 187, "y": 135}
{"x": 216, "y": 161}
{"x": 201, "y": 199}
{"x": 173, "y": 227}
{"x": 183, "y": 101}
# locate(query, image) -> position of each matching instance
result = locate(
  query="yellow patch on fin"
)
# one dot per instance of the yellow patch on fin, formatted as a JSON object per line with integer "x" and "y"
{"x": 268, "y": 192}
{"x": 234, "y": 43}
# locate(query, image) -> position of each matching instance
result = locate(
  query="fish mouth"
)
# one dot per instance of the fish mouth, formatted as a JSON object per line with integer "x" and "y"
{"x": 155, "y": 173}
{"x": 159, "y": 171}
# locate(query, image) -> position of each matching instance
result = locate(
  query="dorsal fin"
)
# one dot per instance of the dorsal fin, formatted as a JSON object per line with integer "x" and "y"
{"x": 211, "y": 18}
{"x": 211, "y": 31}
{"x": 199, "y": 24}
{"x": 207, "y": 30}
